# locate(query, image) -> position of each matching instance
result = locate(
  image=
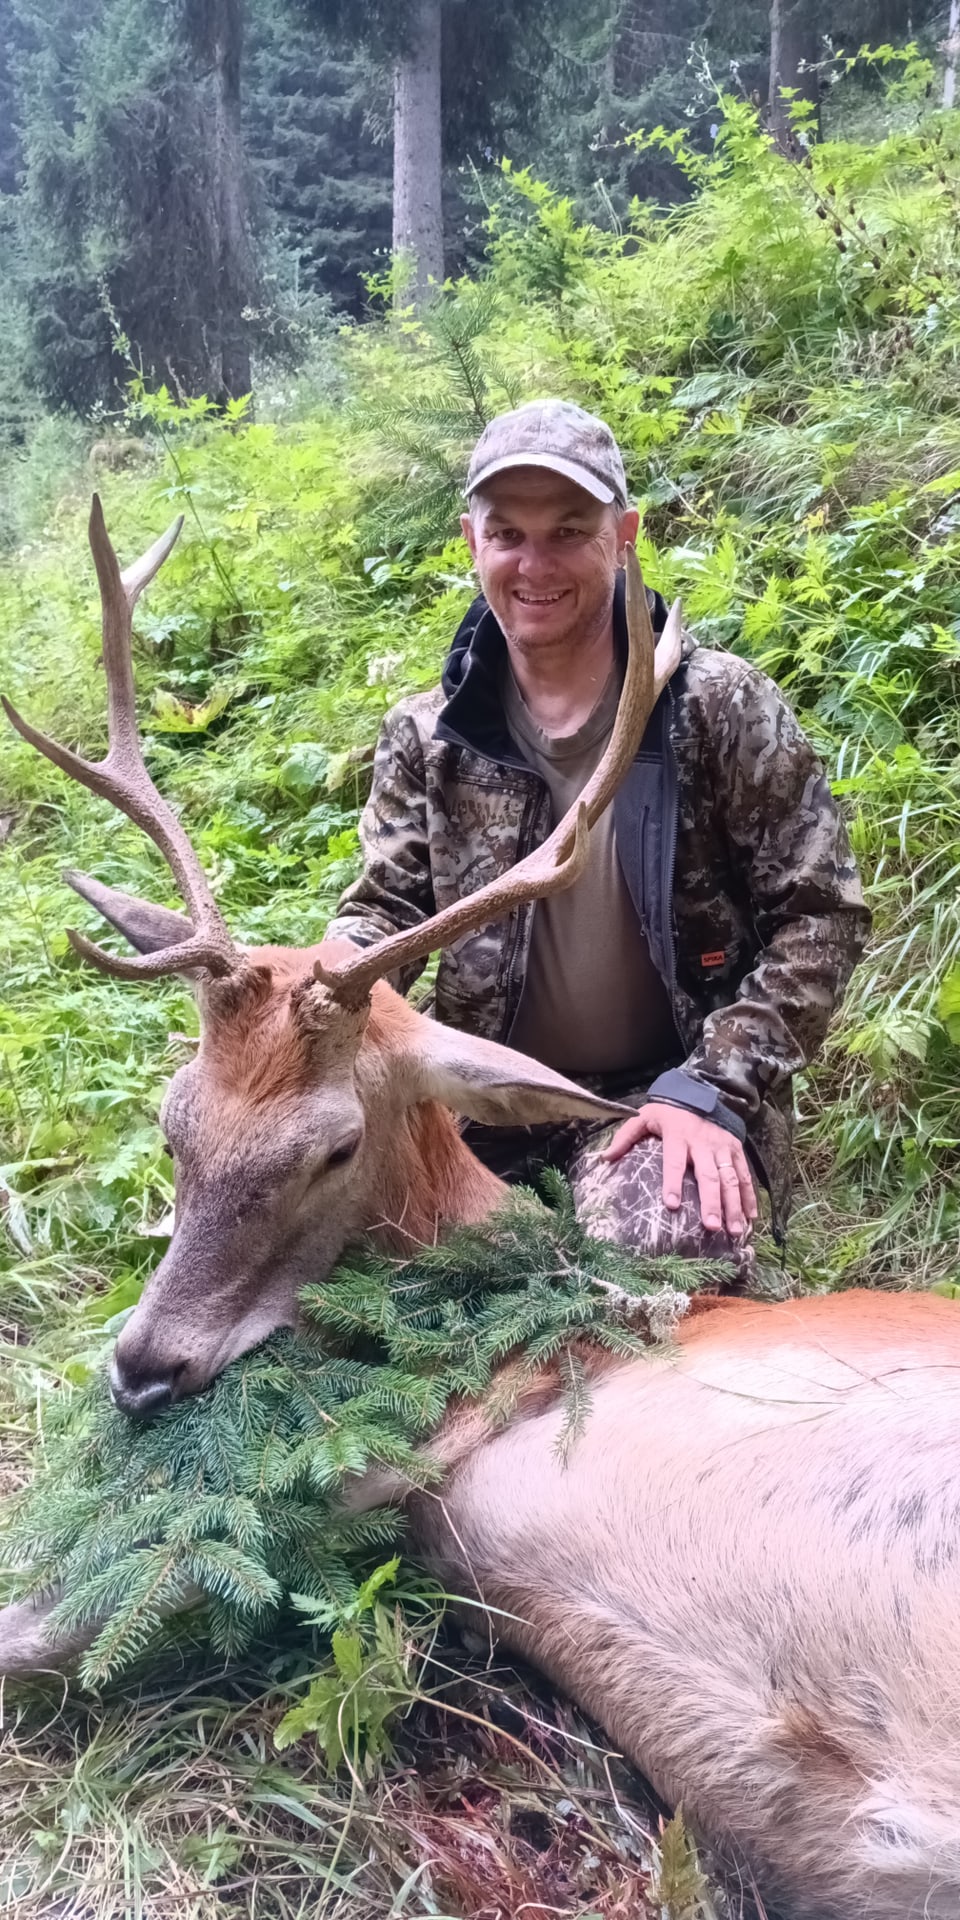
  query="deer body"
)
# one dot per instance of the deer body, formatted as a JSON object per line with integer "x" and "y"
{"x": 748, "y": 1571}
{"x": 747, "y": 1568}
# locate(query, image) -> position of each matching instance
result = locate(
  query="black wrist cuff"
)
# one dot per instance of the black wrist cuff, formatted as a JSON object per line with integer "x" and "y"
{"x": 675, "y": 1088}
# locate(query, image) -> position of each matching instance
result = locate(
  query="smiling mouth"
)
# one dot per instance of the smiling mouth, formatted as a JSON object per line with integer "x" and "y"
{"x": 540, "y": 599}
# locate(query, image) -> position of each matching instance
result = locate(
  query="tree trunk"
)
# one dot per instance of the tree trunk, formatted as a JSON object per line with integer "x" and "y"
{"x": 215, "y": 29}
{"x": 794, "y": 51}
{"x": 229, "y": 172}
{"x": 951, "y": 49}
{"x": 417, "y": 210}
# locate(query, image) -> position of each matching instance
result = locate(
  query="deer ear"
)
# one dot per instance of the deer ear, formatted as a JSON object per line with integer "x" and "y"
{"x": 493, "y": 1084}
{"x": 148, "y": 928}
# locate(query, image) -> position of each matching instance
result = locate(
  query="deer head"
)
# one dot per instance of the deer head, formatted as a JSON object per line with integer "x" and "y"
{"x": 319, "y": 1105}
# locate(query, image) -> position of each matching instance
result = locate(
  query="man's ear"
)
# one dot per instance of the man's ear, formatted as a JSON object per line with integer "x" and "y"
{"x": 493, "y": 1084}
{"x": 469, "y": 533}
{"x": 148, "y": 928}
{"x": 628, "y": 527}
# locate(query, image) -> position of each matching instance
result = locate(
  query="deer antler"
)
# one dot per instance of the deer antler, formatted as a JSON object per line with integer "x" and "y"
{"x": 122, "y": 777}
{"x": 561, "y": 858}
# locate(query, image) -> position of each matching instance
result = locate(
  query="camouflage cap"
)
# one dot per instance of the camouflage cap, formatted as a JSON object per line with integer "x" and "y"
{"x": 557, "y": 435}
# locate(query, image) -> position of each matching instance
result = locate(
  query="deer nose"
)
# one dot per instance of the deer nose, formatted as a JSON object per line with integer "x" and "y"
{"x": 140, "y": 1395}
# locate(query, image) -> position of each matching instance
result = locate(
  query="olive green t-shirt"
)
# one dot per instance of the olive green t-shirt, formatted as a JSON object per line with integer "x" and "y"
{"x": 593, "y": 1001}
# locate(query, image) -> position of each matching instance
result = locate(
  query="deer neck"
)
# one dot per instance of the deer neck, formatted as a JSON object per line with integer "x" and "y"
{"x": 431, "y": 1182}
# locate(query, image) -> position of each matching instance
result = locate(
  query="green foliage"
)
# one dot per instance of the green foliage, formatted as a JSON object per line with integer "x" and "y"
{"x": 787, "y": 411}
{"x": 948, "y": 1005}
{"x": 322, "y": 171}
{"x": 778, "y": 360}
{"x": 232, "y": 1495}
{"x": 426, "y": 435}
{"x": 788, "y": 416}
{"x": 354, "y": 1702}
{"x": 117, "y": 215}
{"x": 681, "y": 1886}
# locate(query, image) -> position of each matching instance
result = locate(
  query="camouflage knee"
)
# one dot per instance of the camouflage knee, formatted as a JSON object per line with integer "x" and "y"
{"x": 624, "y": 1203}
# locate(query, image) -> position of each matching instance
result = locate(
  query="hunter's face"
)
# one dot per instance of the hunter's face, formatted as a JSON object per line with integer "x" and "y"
{"x": 547, "y": 555}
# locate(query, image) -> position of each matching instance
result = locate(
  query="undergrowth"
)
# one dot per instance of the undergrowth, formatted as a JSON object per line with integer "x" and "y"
{"x": 779, "y": 360}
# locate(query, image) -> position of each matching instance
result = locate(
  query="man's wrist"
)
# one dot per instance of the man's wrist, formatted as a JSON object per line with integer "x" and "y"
{"x": 676, "y": 1088}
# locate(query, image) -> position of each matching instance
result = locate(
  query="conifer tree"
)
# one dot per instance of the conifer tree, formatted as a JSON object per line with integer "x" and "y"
{"x": 418, "y": 150}
{"x": 128, "y": 211}
{"x": 323, "y": 168}
{"x": 464, "y": 73}
{"x": 10, "y": 155}
{"x": 123, "y": 178}
{"x": 795, "y": 46}
{"x": 213, "y": 30}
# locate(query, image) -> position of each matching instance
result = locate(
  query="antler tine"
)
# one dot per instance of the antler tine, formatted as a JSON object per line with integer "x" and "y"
{"x": 561, "y": 858}
{"x": 122, "y": 777}
{"x": 185, "y": 957}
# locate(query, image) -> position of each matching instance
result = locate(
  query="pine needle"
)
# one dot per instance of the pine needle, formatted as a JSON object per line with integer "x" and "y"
{"x": 231, "y": 1498}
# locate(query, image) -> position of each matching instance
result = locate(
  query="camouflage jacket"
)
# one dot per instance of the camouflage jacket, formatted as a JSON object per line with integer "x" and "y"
{"x": 731, "y": 844}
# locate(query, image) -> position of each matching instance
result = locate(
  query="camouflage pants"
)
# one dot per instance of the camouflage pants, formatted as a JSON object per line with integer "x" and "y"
{"x": 624, "y": 1202}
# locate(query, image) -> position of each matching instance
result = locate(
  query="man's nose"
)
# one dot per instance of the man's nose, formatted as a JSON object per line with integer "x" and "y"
{"x": 535, "y": 559}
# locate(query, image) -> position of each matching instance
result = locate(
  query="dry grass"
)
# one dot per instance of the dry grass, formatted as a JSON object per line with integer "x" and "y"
{"x": 169, "y": 1802}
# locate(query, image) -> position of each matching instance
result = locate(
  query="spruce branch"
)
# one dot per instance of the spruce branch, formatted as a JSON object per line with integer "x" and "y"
{"x": 231, "y": 1500}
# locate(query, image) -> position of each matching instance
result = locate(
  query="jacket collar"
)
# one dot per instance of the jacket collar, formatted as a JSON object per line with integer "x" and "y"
{"x": 473, "y": 673}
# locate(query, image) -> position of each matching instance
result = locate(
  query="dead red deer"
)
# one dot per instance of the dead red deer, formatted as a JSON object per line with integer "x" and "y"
{"x": 747, "y": 1568}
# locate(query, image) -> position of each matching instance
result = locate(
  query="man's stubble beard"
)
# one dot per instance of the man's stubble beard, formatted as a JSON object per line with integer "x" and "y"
{"x": 585, "y": 629}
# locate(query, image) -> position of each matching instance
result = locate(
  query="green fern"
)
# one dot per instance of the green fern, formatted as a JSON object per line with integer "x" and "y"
{"x": 681, "y": 1886}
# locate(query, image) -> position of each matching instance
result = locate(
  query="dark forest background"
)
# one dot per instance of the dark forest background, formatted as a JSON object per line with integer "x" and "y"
{"x": 197, "y": 186}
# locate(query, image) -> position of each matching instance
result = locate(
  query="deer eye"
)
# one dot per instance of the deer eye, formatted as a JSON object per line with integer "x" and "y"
{"x": 341, "y": 1155}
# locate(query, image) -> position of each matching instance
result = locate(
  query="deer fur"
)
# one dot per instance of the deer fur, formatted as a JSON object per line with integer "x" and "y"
{"x": 747, "y": 1570}
{"x": 300, "y": 1124}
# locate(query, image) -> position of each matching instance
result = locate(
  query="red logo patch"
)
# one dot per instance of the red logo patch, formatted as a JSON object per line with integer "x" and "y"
{"x": 712, "y": 959}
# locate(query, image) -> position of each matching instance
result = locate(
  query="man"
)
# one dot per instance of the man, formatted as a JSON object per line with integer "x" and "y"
{"x": 693, "y": 968}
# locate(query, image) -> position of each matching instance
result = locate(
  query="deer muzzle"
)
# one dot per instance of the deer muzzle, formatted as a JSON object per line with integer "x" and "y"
{"x": 224, "y": 1285}
{"x": 138, "y": 1394}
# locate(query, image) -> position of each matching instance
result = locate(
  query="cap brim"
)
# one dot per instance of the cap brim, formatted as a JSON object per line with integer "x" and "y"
{"x": 554, "y": 463}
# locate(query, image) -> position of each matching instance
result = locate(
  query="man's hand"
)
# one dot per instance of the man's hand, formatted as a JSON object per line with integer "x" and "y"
{"x": 727, "y": 1197}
